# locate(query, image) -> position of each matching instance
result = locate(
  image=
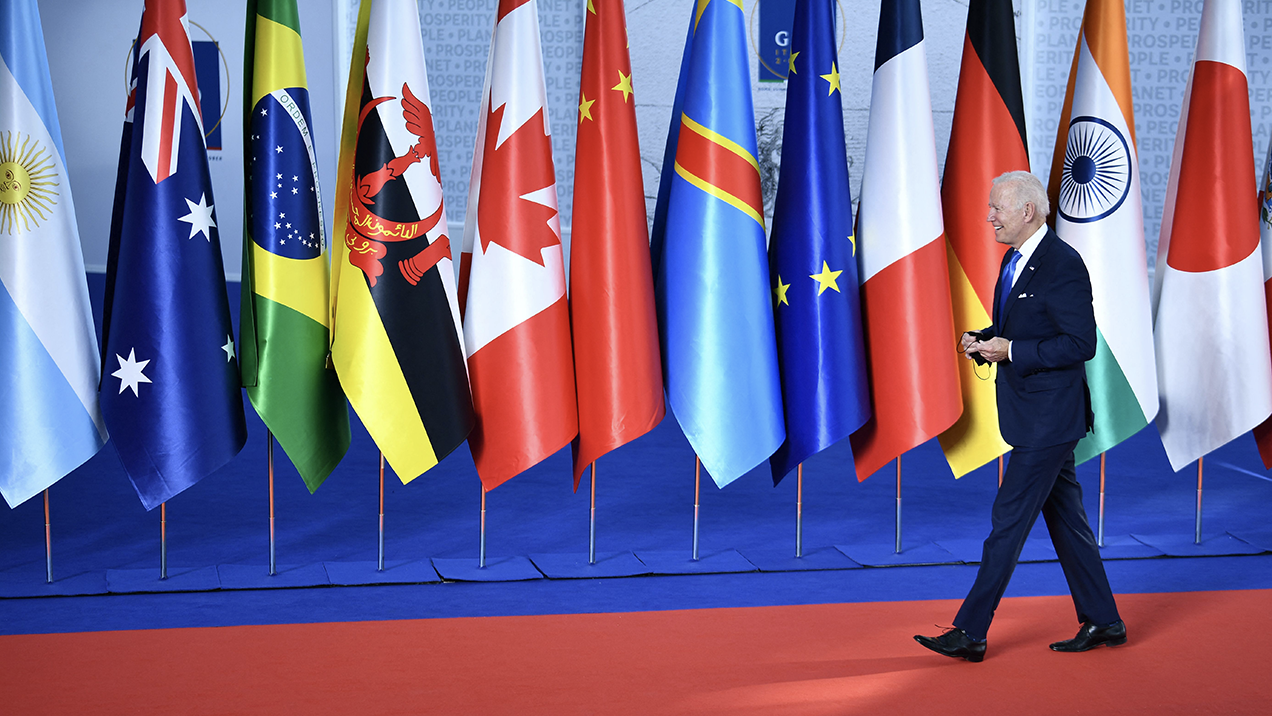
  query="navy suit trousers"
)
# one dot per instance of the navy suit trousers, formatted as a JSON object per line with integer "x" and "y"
{"x": 1039, "y": 480}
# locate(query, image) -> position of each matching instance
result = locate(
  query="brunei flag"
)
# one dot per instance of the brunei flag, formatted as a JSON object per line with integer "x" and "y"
{"x": 516, "y": 320}
{"x": 811, "y": 255}
{"x": 1095, "y": 203}
{"x": 396, "y": 341}
{"x": 1213, "y": 367}
{"x": 902, "y": 256}
{"x": 616, "y": 361}
{"x": 283, "y": 328}
{"x": 987, "y": 139}
{"x": 712, "y": 277}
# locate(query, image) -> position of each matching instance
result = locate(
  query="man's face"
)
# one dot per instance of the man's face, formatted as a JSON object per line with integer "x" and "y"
{"x": 1008, "y": 222}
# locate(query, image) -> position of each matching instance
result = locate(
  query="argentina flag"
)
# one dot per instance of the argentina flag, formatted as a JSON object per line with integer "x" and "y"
{"x": 50, "y": 422}
{"x": 170, "y": 387}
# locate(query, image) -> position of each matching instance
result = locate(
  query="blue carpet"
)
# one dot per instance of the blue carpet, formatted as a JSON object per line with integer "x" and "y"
{"x": 644, "y": 505}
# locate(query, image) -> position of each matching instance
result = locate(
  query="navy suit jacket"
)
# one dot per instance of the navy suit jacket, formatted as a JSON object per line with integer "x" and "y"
{"x": 1042, "y": 393}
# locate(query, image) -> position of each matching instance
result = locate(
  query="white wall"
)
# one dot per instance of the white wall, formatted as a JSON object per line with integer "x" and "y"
{"x": 88, "y": 45}
{"x": 89, "y": 42}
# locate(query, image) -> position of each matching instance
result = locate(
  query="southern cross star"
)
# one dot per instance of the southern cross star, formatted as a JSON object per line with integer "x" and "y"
{"x": 130, "y": 372}
{"x": 199, "y": 218}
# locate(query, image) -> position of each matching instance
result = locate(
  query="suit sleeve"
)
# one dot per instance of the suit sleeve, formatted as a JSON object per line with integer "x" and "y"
{"x": 1069, "y": 307}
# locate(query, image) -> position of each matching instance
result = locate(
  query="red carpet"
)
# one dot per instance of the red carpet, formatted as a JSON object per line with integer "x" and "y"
{"x": 1189, "y": 653}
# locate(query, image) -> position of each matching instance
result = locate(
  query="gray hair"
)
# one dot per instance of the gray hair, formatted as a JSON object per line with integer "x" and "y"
{"x": 1024, "y": 188}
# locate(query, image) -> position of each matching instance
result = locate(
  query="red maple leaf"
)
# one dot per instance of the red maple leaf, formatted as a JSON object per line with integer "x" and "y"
{"x": 522, "y": 165}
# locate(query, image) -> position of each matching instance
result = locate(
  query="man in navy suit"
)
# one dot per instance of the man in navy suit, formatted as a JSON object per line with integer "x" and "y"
{"x": 1042, "y": 336}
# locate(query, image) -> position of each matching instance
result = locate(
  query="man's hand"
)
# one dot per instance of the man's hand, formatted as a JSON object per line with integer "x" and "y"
{"x": 993, "y": 350}
{"x": 966, "y": 342}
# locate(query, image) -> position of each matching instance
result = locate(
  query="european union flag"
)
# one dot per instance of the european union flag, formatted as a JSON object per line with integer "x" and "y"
{"x": 170, "y": 385}
{"x": 812, "y": 259}
{"x": 714, "y": 312}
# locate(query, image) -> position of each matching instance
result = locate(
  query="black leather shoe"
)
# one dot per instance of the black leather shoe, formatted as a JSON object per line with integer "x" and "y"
{"x": 954, "y": 643}
{"x": 1091, "y": 636}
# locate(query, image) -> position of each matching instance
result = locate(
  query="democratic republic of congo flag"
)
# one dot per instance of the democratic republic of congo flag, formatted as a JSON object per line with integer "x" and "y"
{"x": 987, "y": 140}
{"x": 396, "y": 343}
{"x": 715, "y": 311}
{"x": 1096, "y": 209}
{"x": 812, "y": 259}
{"x": 905, "y": 290}
{"x": 283, "y": 327}
{"x": 1213, "y": 367}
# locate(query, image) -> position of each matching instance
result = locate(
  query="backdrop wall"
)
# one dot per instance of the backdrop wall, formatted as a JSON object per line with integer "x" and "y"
{"x": 89, "y": 45}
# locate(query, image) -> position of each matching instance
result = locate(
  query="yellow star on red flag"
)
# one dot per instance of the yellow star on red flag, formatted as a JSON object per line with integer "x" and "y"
{"x": 624, "y": 85}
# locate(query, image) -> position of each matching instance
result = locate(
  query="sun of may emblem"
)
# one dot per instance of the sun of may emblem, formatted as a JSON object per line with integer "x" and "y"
{"x": 27, "y": 183}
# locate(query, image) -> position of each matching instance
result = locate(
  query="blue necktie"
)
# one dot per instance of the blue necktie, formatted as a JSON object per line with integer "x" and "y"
{"x": 1009, "y": 276}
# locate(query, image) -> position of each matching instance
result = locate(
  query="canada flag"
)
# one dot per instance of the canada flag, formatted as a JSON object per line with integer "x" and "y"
{"x": 516, "y": 320}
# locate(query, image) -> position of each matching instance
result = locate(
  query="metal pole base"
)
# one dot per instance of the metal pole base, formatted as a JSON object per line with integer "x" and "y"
{"x": 270, "y": 459}
{"x": 1197, "y": 535}
{"x": 898, "y": 547}
{"x": 163, "y": 540}
{"x": 48, "y": 542}
{"x": 799, "y": 511}
{"x": 1099, "y": 541}
{"x": 481, "y": 555}
{"x": 379, "y": 563}
{"x": 697, "y": 483}
{"x": 591, "y": 529}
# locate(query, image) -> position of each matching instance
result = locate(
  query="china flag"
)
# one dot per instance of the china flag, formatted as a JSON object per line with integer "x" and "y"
{"x": 616, "y": 362}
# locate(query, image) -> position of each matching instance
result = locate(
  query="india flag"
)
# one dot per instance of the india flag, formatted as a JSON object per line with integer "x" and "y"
{"x": 1213, "y": 362}
{"x": 1095, "y": 195}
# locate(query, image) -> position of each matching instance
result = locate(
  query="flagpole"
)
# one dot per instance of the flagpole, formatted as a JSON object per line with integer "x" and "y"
{"x": 898, "y": 549}
{"x": 697, "y": 482}
{"x": 799, "y": 510}
{"x": 481, "y": 553}
{"x": 1197, "y": 536}
{"x": 163, "y": 540}
{"x": 591, "y": 533}
{"x": 379, "y": 567}
{"x": 1100, "y": 533}
{"x": 269, "y": 453}
{"x": 48, "y": 541}
{"x": 1000, "y": 470}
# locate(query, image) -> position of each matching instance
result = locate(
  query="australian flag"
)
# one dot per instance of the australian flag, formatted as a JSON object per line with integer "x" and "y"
{"x": 170, "y": 378}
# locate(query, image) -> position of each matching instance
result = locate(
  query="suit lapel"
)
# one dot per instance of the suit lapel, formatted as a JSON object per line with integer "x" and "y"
{"x": 1024, "y": 274}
